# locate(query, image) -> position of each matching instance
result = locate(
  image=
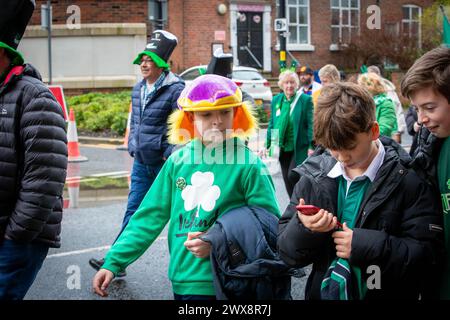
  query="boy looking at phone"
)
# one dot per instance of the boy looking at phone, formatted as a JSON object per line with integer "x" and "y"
{"x": 363, "y": 181}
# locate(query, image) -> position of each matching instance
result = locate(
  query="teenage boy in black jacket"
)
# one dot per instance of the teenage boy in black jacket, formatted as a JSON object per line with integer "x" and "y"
{"x": 427, "y": 84}
{"x": 391, "y": 231}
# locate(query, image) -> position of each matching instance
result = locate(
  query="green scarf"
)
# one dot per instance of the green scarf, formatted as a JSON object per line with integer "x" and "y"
{"x": 282, "y": 123}
{"x": 337, "y": 283}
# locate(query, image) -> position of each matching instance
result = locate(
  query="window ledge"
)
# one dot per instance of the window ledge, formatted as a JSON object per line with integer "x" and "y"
{"x": 338, "y": 47}
{"x": 297, "y": 47}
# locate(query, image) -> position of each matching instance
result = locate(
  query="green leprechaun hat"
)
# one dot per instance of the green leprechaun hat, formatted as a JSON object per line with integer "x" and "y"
{"x": 159, "y": 48}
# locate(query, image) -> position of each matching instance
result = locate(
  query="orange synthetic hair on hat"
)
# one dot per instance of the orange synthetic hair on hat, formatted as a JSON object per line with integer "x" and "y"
{"x": 210, "y": 92}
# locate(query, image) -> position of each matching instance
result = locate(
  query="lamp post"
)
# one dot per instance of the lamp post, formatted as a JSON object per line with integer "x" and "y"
{"x": 46, "y": 23}
{"x": 282, "y": 35}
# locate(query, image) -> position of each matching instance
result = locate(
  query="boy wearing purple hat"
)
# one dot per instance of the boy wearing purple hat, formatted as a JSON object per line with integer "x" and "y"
{"x": 214, "y": 173}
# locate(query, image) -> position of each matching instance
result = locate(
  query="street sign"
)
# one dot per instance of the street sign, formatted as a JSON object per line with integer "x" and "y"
{"x": 280, "y": 25}
{"x": 59, "y": 95}
{"x": 44, "y": 16}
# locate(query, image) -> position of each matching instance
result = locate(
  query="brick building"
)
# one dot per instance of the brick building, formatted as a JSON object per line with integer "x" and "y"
{"x": 243, "y": 27}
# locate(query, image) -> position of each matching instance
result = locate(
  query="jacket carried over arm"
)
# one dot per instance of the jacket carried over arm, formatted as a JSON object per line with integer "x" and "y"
{"x": 33, "y": 160}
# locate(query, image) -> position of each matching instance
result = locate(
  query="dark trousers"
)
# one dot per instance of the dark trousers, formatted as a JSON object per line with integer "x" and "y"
{"x": 142, "y": 178}
{"x": 19, "y": 265}
{"x": 290, "y": 178}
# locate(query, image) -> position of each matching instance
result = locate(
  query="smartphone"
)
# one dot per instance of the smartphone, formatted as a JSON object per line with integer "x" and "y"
{"x": 310, "y": 210}
{"x": 307, "y": 209}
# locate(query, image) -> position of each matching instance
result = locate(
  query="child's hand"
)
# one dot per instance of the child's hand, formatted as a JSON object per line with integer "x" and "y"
{"x": 322, "y": 221}
{"x": 101, "y": 282}
{"x": 198, "y": 247}
{"x": 343, "y": 241}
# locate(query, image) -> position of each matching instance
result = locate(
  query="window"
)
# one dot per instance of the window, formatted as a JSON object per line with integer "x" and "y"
{"x": 297, "y": 14}
{"x": 344, "y": 20}
{"x": 299, "y": 31}
{"x": 411, "y": 25}
{"x": 392, "y": 29}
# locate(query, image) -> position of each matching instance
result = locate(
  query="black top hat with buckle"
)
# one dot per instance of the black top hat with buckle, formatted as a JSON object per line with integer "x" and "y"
{"x": 159, "y": 48}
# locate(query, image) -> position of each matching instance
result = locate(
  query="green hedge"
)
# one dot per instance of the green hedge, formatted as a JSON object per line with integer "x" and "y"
{"x": 101, "y": 111}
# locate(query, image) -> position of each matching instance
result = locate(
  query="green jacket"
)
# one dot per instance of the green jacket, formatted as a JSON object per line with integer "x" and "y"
{"x": 303, "y": 125}
{"x": 385, "y": 114}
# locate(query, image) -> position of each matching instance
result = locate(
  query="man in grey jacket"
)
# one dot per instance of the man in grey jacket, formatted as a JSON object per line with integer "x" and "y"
{"x": 33, "y": 160}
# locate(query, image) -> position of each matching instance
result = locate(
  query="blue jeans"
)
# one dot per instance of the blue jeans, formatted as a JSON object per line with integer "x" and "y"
{"x": 19, "y": 265}
{"x": 142, "y": 177}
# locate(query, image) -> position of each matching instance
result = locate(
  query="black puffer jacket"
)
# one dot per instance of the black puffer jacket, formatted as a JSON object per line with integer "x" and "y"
{"x": 398, "y": 227}
{"x": 33, "y": 160}
{"x": 425, "y": 158}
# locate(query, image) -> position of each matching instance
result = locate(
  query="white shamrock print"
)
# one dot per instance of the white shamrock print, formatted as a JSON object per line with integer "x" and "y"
{"x": 202, "y": 193}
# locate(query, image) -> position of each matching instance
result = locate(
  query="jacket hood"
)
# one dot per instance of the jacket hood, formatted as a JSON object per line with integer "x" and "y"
{"x": 31, "y": 71}
{"x": 18, "y": 72}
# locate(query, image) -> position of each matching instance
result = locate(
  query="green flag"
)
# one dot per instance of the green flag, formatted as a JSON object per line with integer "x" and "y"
{"x": 446, "y": 33}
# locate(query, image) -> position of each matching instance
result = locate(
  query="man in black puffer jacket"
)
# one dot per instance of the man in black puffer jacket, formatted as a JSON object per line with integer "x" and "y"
{"x": 33, "y": 162}
{"x": 393, "y": 231}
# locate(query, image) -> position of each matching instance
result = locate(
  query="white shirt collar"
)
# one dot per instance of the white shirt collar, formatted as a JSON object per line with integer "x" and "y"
{"x": 371, "y": 171}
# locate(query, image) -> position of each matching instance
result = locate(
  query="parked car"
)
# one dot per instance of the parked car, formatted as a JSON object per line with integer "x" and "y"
{"x": 248, "y": 79}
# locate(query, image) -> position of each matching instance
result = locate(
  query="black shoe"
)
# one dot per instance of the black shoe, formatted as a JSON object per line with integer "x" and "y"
{"x": 97, "y": 264}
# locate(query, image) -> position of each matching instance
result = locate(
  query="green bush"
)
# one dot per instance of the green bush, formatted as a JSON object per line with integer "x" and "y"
{"x": 101, "y": 111}
{"x": 261, "y": 114}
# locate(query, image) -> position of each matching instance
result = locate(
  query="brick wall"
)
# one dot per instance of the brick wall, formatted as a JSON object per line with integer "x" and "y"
{"x": 194, "y": 23}
{"x": 320, "y": 13}
{"x": 105, "y": 11}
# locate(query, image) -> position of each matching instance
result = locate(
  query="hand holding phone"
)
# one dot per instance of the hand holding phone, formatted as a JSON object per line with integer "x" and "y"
{"x": 310, "y": 210}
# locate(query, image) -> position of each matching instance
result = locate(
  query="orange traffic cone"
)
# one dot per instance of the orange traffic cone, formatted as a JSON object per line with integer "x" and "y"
{"x": 72, "y": 140}
{"x": 127, "y": 132}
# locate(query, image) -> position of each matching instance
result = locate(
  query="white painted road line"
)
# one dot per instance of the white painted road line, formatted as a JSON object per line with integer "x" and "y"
{"x": 72, "y": 253}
